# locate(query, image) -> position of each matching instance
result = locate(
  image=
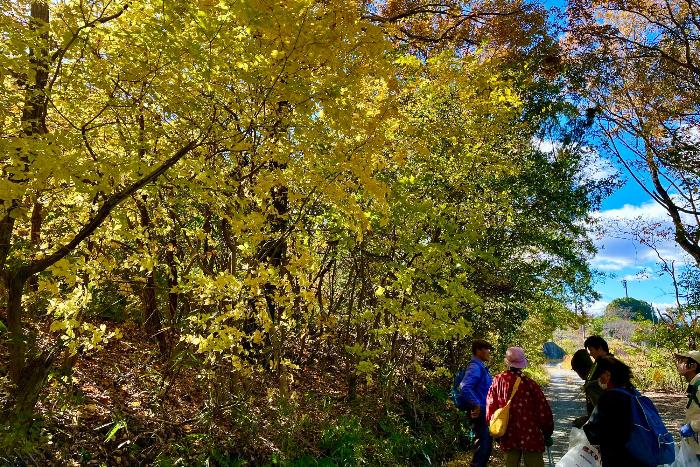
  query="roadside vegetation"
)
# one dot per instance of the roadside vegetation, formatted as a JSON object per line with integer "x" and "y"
{"x": 262, "y": 232}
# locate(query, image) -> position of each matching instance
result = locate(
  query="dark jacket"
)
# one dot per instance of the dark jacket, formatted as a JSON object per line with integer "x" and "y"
{"x": 592, "y": 390}
{"x": 475, "y": 384}
{"x": 609, "y": 427}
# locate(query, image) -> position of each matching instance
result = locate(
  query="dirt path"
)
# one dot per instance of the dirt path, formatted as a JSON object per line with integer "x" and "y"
{"x": 567, "y": 402}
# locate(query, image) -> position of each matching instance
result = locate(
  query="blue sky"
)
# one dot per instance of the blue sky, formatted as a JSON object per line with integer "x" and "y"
{"x": 620, "y": 256}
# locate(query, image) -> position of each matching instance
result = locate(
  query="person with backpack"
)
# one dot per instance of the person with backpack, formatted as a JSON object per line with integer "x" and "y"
{"x": 471, "y": 396}
{"x": 689, "y": 368}
{"x": 518, "y": 410}
{"x": 625, "y": 424}
{"x": 597, "y": 347}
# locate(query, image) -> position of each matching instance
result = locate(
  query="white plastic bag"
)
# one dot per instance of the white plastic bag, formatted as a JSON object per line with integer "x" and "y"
{"x": 577, "y": 436}
{"x": 581, "y": 453}
{"x": 685, "y": 456}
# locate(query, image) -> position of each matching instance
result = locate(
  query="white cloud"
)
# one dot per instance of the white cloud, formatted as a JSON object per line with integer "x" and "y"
{"x": 648, "y": 211}
{"x": 594, "y": 167}
{"x": 611, "y": 263}
{"x": 669, "y": 251}
{"x": 546, "y": 145}
{"x": 620, "y": 242}
{"x": 598, "y": 307}
{"x": 663, "y": 306}
{"x": 689, "y": 134}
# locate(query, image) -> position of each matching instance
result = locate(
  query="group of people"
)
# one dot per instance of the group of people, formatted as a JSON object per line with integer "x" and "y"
{"x": 530, "y": 421}
{"x": 530, "y": 425}
{"x": 608, "y": 422}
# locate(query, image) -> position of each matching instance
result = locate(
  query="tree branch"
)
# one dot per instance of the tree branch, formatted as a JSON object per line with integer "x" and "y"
{"x": 105, "y": 210}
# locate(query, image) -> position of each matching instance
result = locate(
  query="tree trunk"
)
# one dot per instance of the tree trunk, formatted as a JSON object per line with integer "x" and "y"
{"x": 153, "y": 321}
{"x": 35, "y": 239}
{"x": 14, "y": 284}
{"x": 28, "y": 376}
{"x": 34, "y": 374}
{"x": 7, "y": 224}
{"x": 684, "y": 237}
{"x": 276, "y": 255}
{"x": 173, "y": 297}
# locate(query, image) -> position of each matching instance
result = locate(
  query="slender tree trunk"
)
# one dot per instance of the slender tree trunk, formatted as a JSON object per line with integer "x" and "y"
{"x": 35, "y": 239}
{"x": 153, "y": 321}
{"x": 274, "y": 252}
{"x": 33, "y": 123}
{"x": 7, "y": 224}
{"x": 28, "y": 374}
{"x": 14, "y": 284}
{"x": 173, "y": 297}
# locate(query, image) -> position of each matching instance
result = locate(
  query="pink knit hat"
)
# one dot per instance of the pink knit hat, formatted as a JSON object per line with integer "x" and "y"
{"x": 515, "y": 358}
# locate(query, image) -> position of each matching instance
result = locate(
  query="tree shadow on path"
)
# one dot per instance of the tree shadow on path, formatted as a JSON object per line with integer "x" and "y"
{"x": 568, "y": 402}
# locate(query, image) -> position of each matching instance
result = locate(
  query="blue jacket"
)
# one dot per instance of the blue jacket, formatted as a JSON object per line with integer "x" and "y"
{"x": 476, "y": 384}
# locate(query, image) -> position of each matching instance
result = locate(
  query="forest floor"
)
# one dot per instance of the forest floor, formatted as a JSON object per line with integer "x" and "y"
{"x": 567, "y": 402}
{"x": 113, "y": 401}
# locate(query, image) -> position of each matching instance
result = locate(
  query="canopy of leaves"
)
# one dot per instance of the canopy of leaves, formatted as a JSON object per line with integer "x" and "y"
{"x": 630, "y": 308}
{"x": 282, "y": 202}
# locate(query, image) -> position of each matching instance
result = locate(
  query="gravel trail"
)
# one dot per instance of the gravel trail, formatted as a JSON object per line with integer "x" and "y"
{"x": 567, "y": 402}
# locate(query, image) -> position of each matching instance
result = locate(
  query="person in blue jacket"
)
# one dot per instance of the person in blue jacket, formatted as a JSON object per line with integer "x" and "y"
{"x": 473, "y": 390}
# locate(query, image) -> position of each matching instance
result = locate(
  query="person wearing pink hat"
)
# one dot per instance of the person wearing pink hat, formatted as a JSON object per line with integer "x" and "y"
{"x": 530, "y": 423}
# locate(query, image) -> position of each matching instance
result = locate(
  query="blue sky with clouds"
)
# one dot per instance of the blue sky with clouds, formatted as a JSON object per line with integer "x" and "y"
{"x": 620, "y": 257}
